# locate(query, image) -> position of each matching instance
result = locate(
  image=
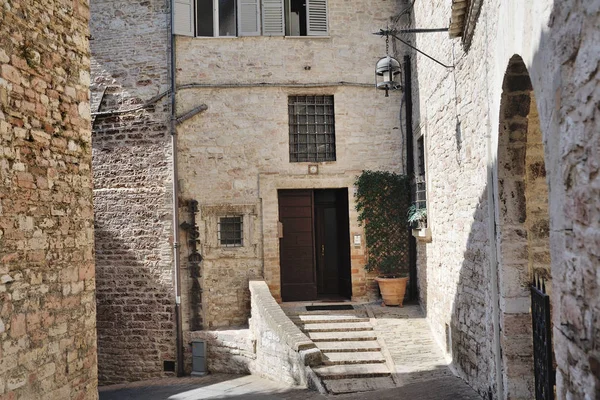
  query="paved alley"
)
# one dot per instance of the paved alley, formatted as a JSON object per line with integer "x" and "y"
{"x": 418, "y": 367}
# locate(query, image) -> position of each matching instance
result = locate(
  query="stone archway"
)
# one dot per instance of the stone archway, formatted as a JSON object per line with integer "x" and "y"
{"x": 522, "y": 225}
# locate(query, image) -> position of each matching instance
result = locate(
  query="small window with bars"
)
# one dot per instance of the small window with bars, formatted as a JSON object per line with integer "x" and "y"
{"x": 312, "y": 128}
{"x": 231, "y": 231}
{"x": 420, "y": 185}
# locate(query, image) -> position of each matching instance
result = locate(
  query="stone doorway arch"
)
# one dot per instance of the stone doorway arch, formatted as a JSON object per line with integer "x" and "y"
{"x": 522, "y": 226}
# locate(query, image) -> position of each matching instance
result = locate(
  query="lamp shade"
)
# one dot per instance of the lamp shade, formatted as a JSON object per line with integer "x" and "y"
{"x": 387, "y": 74}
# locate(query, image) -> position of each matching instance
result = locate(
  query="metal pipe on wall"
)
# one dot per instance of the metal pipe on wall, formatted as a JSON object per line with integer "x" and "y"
{"x": 413, "y": 288}
{"x": 175, "y": 205}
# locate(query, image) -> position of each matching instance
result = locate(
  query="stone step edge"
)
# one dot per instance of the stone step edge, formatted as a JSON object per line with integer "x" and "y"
{"x": 351, "y": 338}
{"x": 342, "y": 386}
{"x": 334, "y": 329}
{"x": 352, "y": 371}
{"x": 352, "y": 346}
{"x": 349, "y": 361}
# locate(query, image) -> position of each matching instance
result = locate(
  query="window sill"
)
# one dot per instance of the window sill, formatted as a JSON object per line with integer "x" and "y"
{"x": 217, "y": 37}
{"x": 261, "y": 36}
{"x": 307, "y": 37}
{"x": 422, "y": 234}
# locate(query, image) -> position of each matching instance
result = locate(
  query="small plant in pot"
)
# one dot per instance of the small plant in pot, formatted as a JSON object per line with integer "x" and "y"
{"x": 417, "y": 217}
{"x": 382, "y": 202}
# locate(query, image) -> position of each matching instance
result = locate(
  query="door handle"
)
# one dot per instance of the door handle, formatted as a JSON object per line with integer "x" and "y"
{"x": 322, "y": 250}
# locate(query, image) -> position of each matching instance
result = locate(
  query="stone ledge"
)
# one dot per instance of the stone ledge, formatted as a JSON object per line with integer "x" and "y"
{"x": 422, "y": 234}
{"x": 281, "y": 324}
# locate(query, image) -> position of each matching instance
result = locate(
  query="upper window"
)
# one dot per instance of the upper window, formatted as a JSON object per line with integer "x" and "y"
{"x": 312, "y": 128}
{"x": 226, "y": 18}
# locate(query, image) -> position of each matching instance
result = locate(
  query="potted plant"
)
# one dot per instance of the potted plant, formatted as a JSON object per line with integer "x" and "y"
{"x": 382, "y": 202}
{"x": 417, "y": 217}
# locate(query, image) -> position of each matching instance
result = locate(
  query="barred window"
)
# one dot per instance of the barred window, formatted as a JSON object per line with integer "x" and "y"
{"x": 230, "y": 231}
{"x": 312, "y": 128}
{"x": 420, "y": 189}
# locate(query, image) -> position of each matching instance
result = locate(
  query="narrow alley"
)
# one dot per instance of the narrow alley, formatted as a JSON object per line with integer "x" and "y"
{"x": 417, "y": 366}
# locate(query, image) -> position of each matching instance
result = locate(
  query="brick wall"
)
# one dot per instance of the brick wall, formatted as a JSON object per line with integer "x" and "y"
{"x": 132, "y": 189}
{"x": 47, "y": 309}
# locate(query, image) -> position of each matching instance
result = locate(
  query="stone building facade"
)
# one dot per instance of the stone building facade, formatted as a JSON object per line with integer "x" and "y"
{"x": 132, "y": 189}
{"x": 511, "y": 155}
{"x": 233, "y": 159}
{"x": 47, "y": 305}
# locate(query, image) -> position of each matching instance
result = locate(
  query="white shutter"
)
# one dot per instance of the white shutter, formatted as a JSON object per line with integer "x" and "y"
{"x": 249, "y": 17}
{"x": 183, "y": 17}
{"x": 317, "y": 20}
{"x": 273, "y": 18}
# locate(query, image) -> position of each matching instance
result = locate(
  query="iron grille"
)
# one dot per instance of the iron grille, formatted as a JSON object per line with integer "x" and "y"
{"x": 230, "y": 231}
{"x": 542, "y": 341}
{"x": 420, "y": 192}
{"x": 419, "y": 188}
{"x": 312, "y": 128}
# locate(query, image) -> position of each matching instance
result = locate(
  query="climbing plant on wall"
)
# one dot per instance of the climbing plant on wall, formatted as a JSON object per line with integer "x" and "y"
{"x": 382, "y": 201}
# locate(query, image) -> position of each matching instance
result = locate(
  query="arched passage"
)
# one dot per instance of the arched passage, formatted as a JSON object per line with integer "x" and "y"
{"x": 522, "y": 226}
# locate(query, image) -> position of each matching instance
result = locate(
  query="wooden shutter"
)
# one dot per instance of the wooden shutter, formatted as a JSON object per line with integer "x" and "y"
{"x": 317, "y": 20}
{"x": 249, "y": 17}
{"x": 183, "y": 17}
{"x": 273, "y": 18}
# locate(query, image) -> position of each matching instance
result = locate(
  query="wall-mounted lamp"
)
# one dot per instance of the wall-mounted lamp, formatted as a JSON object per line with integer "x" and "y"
{"x": 387, "y": 71}
{"x": 387, "y": 74}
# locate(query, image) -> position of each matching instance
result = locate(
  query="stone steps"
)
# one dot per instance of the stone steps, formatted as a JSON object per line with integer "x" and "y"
{"x": 360, "y": 357}
{"x": 341, "y": 386}
{"x": 349, "y": 346}
{"x": 352, "y": 371}
{"x": 337, "y": 327}
{"x": 341, "y": 336}
{"x": 319, "y": 319}
{"x": 352, "y": 357}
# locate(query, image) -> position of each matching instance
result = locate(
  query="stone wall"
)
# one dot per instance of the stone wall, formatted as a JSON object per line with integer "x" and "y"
{"x": 47, "y": 309}
{"x": 132, "y": 189}
{"x": 229, "y": 351}
{"x": 235, "y": 156}
{"x": 574, "y": 140}
{"x": 283, "y": 353}
{"x": 272, "y": 346}
{"x": 458, "y": 111}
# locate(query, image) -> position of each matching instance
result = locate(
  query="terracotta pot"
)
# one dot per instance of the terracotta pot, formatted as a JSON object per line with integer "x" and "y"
{"x": 392, "y": 290}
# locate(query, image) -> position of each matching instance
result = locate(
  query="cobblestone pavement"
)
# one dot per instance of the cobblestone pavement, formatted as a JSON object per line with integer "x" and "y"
{"x": 421, "y": 371}
{"x": 408, "y": 340}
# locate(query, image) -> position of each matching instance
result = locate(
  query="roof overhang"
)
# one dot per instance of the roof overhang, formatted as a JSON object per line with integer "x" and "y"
{"x": 464, "y": 18}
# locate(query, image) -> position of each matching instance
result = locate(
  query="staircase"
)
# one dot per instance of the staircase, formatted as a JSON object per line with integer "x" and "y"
{"x": 353, "y": 361}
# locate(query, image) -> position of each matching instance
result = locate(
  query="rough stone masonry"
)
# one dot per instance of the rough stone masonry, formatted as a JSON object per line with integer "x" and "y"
{"x": 132, "y": 189}
{"x": 47, "y": 305}
{"x": 463, "y": 116}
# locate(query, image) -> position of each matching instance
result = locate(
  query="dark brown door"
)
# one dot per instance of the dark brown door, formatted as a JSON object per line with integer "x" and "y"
{"x": 296, "y": 247}
{"x": 326, "y": 237}
{"x": 343, "y": 232}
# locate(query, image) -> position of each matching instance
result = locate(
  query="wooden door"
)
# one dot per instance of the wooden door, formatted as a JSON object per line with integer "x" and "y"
{"x": 326, "y": 239}
{"x": 343, "y": 223}
{"x": 296, "y": 247}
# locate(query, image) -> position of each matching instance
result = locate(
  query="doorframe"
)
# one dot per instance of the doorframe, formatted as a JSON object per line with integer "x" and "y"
{"x": 268, "y": 185}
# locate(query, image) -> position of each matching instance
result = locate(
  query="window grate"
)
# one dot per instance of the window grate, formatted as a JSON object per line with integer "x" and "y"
{"x": 420, "y": 187}
{"x": 231, "y": 231}
{"x": 312, "y": 128}
{"x": 420, "y": 192}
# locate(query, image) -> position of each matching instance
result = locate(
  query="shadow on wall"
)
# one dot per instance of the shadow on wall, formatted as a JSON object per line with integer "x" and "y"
{"x": 133, "y": 303}
{"x": 135, "y": 313}
{"x": 565, "y": 79}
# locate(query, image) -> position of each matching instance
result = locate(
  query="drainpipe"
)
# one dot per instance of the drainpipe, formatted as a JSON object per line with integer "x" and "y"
{"x": 175, "y": 205}
{"x": 413, "y": 289}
